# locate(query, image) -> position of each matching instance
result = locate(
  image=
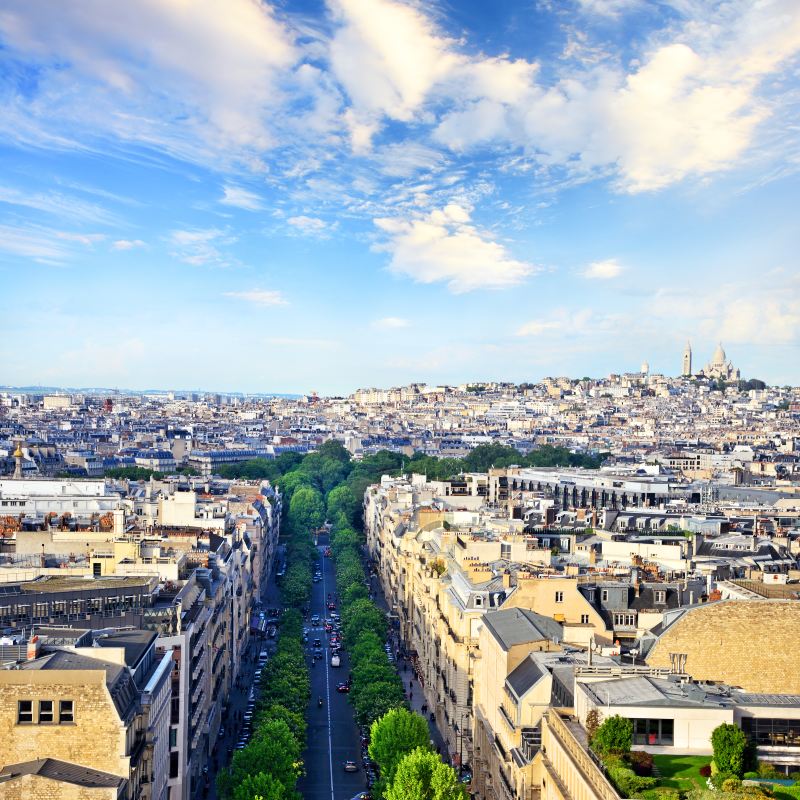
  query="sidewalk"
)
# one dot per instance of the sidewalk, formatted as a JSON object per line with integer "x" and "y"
{"x": 406, "y": 672}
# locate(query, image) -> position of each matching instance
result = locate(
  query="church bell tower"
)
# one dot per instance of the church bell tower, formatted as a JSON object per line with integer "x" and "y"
{"x": 687, "y": 361}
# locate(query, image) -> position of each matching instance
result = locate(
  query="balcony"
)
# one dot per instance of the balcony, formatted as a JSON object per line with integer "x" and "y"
{"x": 507, "y": 718}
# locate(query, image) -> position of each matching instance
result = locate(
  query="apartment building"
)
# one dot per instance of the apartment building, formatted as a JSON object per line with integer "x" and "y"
{"x": 78, "y": 720}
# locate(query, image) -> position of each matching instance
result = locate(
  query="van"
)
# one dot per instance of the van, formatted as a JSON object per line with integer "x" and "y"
{"x": 336, "y": 661}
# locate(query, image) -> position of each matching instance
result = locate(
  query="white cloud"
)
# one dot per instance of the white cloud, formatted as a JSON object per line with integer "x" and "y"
{"x": 127, "y": 244}
{"x": 603, "y": 270}
{"x": 35, "y": 243}
{"x": 445, "y": 246}
{"x": 561, "y": 321}
{"x": 391, "y": 323}
{"x": 387, "y": 56}
{"x": 58, "y": 205}
{"x": 200, "y": 246}
{"x": 689, "y": 106}
{"x": 607, "y": 8}
{"x": 242, "y": 198}
{"x": 312, "y": 226}
{"x": 86, "y": 239}
{"x": 763, "y": 312}
{"x": 260, "y": 297}
{"x": 191, "y": 78}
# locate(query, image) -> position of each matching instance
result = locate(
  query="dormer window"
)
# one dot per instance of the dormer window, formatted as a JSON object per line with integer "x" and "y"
{"x": 478, "y": 601}
{"x": 660, "y": 596}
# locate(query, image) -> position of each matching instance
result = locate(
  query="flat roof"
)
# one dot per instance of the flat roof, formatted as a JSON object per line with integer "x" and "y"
{"x": 56, "y": 583}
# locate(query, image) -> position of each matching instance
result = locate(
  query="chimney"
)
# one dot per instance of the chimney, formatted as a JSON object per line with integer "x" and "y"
{"x": 507, "y": 579}
{"x": 33, "y": 648}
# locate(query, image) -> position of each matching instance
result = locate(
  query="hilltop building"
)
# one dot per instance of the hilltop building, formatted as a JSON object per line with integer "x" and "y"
{"x": 720, "y": 368}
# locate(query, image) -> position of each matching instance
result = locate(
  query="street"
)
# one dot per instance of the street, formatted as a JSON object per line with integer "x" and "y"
{"x": 333, "y": 736}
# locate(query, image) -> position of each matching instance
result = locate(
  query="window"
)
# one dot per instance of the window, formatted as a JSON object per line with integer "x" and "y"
{"x": 559, "y": 597}
{"x": 24, "y": 711}
{"x": 66, "y": 711}
{"x": 624, "y": 620}
{"x": 45, "y": 711}
{"x": 173, "y": 737}
{"x": 173, "y": 764}
{"x": 653, "y": 731}
{"x": 772, "y": 732}
{"x": 604, "y": 596}
{"x": 660, "y": 596}
{"x": 584, "y": 619}
{"x": 478, "y": 601}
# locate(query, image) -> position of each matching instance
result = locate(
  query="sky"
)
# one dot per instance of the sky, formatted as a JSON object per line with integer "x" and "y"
{"x": 303, "y": 195}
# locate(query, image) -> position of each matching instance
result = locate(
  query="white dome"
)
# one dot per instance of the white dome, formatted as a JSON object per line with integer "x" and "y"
{"x": 719, "y": 355}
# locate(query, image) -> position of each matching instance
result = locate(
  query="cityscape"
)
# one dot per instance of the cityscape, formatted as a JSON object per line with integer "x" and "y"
{"x": 400, "y": 400}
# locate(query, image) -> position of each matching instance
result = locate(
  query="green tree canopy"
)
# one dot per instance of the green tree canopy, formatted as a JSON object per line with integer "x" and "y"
{"x": 615, "y": 735}
{"x": 292, "y": 481}
{"x": 306, "y": 510}
{"x": 730, "y": 748}
{"x": 261, "y": 786}
{"x": 362, "y": 616}
{"x": 341, "y": 500}
{"x": 421, "y": 775}
{"x": 395, "y": 734}
{"x": 375, "y": 699}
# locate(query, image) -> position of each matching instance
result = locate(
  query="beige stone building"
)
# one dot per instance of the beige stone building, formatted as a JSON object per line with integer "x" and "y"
{"x": 86, "y": 721}
{"x": 512, "y": 693}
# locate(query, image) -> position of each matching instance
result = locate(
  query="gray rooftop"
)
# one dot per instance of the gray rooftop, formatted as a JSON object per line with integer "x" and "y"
{"x": 136, "y": 644}
{"x": 515, "y": 626}
{"x": 63, "y": 771}
{"x": 526, "y": 675}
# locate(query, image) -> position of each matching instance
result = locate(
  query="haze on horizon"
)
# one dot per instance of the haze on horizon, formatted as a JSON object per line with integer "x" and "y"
{"x": 264, "y": 197}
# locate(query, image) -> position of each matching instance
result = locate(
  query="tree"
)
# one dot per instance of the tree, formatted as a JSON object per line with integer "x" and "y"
{"x": 730, "y": 748}
{"x": 395, "y": 734}
{"x": 290, "y": 482}
{"x": 421, "y": 775}
{"x": 261, "y": 786}
{"x": 306, "y": 510}
{"x": 592, "y": 723}
{"x": 362, "y": 616}
{"x": 295, "y": 722}
{"x": 342, "y": 500}
{"x": 615, "y": 735}
{"x": 375, "y": 699}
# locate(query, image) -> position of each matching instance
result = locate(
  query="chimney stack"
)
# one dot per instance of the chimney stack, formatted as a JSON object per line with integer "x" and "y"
{"x": 33, "y": 648}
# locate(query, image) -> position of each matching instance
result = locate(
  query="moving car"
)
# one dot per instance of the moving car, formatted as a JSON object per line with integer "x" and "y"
{"x": 336, "y": 661}
{"x": 350, "y": 766}
{"x": 343, "y": 688}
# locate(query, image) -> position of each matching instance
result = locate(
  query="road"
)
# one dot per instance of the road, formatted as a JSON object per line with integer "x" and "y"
{"x": 333, "y": 735}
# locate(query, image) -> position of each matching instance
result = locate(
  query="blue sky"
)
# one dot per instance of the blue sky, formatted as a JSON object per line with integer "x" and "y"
{"x": 299, "y": 196}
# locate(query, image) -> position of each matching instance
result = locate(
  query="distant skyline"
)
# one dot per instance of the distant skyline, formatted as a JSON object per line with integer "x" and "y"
{"x": 305, "y": 195}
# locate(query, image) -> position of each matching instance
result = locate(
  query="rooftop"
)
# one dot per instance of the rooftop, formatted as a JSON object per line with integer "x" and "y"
{"x": 515, "y": 626}
{"x": 63, "y": 771}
